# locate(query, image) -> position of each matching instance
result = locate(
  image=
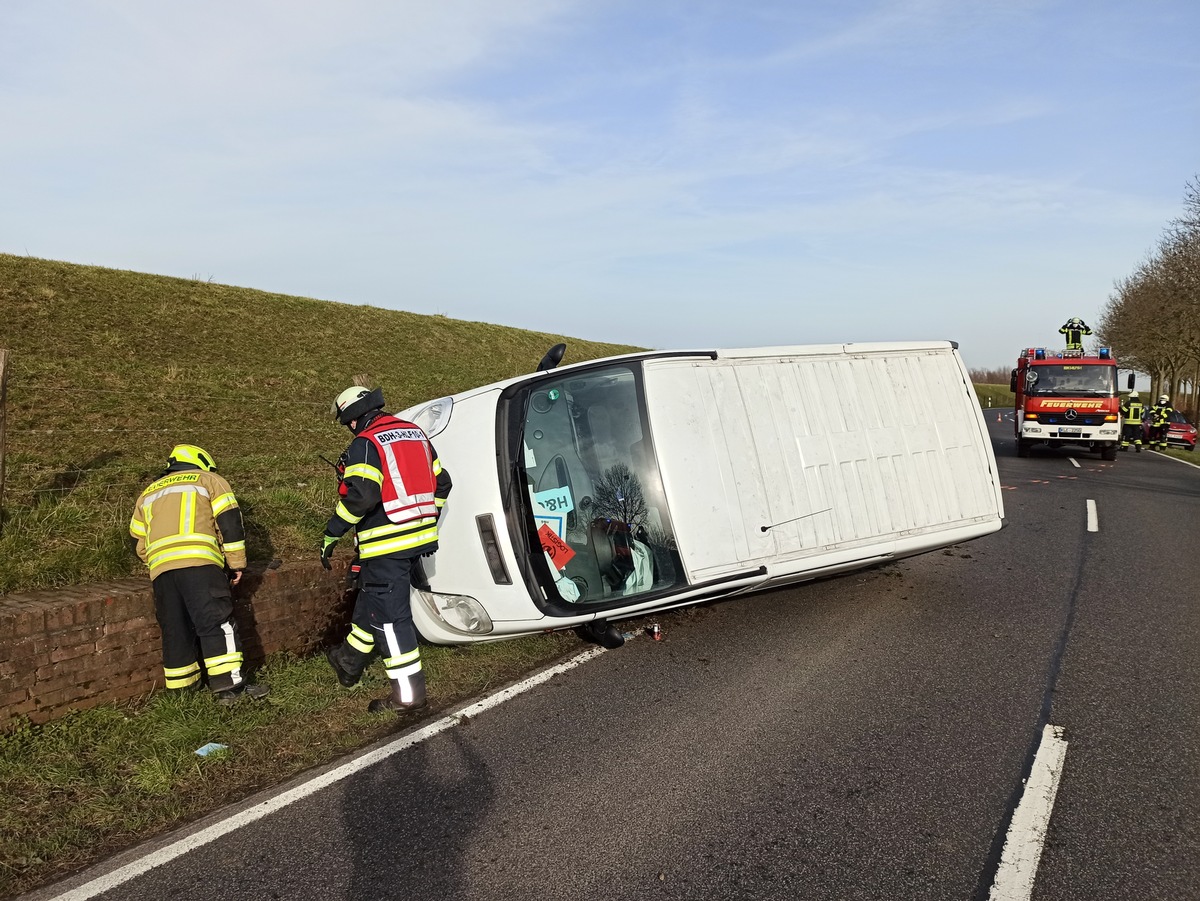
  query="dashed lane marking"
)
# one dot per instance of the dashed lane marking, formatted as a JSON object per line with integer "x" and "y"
{"x": 1027, "y": 833}
{"x": 1093, "y": 522}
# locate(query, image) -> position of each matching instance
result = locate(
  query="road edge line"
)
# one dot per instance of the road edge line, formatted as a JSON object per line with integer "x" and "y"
{"x": 108, "y": 881}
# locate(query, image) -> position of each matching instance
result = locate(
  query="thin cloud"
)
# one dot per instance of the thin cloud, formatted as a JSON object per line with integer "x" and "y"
{"x": 664, "y": 174}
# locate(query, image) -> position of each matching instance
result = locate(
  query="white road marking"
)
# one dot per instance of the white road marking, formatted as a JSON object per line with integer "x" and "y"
{"x": 1074, "y": 462}
{"x": 1176, "y": 459}
{"x": 1093, "y": 520}
{"x": 109, "y": 881}
{"x": 1027, "y": 834}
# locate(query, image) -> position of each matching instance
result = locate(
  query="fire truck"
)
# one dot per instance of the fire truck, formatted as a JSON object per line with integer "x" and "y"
{"x": 1067, "y": 398}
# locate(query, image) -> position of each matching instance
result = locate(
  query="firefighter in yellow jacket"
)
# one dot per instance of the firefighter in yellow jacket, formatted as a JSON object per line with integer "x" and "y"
{"x": 1160, "y": 422}
{"x": 188, "y": 528}
{"x": 1074, "y": 328}
{"x": 391, "y": 495}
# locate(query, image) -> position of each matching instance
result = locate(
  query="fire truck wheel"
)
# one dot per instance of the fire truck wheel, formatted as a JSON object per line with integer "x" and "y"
{"x": 1022, "y": 447}
{"x": 1108, "y": 453}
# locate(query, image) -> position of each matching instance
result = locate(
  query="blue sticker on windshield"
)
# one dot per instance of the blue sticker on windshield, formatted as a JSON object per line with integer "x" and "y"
{"x": 556, "y": 500}
{"x": 554, "y": 522}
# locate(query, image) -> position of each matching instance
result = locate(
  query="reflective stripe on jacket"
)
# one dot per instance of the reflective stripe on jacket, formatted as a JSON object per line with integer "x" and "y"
{"x": 188, "y": 517}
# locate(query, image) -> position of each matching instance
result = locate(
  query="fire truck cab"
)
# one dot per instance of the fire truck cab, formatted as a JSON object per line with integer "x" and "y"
{"x": 1067, "y": 398}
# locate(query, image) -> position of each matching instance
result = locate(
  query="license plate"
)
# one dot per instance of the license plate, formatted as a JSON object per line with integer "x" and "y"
{"x": 1070, "y": 430}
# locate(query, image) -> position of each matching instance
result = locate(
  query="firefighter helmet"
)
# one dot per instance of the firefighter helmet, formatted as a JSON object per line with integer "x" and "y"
{"x": 1163, "y": 399}
{"x": 1133, "y": 395}
{"x": 354, "y": 402}
{"x": 193, "y": 454}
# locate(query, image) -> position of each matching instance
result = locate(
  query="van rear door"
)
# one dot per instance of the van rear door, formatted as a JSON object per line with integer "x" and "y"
{"x": 796, "y": 458}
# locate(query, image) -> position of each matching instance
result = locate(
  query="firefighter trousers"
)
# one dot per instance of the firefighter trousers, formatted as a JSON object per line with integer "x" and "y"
{"x": 195, "y": 605}
{"x": 382, "y": 621}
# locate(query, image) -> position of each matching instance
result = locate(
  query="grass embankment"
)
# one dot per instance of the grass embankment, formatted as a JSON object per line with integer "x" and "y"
{"x": 109, "y": 369}
{"x": 993, "y": 397}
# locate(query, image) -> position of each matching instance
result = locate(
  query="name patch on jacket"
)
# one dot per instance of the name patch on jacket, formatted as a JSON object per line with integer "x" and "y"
{"x": 182, "y": 478}
{"x": 400, "y": 435}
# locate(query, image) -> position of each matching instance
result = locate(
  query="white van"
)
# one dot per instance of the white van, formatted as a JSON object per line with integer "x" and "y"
{"x": 588, "y": 493}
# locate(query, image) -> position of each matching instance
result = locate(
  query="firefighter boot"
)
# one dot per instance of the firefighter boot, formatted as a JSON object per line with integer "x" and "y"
{"x": 231, "y": 696}
{"x": 348, "y": 663}
{"x": 396, "y": 702}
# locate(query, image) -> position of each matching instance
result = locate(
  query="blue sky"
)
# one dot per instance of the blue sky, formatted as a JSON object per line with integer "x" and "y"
{"x": 665, "y": 174}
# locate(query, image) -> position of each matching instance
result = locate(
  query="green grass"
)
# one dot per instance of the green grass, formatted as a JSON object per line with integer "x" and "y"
{"x": 1180, "y": 454}
{"x": 109, "y": 369}
{"x": 93, "y": 783}
{"x": 993, "y": 397}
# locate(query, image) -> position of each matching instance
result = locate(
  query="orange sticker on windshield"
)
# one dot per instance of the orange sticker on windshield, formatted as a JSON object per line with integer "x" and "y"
{"x": 560, "y": 552}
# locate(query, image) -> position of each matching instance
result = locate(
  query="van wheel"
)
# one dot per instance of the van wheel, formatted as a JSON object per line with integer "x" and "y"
{"x": 1108, "y": 453}
{"x": 1022, "y": 447}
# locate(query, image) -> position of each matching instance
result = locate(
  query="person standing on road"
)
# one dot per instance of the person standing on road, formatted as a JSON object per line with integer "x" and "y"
{"x": 188, "y": 530}
{"x": 394, "y": 490}
{"x": 1074, "y": 328}
{"x": 1131, "y": 417}
{"x": 1160, "y": 422}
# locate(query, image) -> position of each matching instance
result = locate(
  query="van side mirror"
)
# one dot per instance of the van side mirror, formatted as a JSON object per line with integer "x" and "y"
{"x": 1012, "y": 382}
{"x": 553, "y": 357}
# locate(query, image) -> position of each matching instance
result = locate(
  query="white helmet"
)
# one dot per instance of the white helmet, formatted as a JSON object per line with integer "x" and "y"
{"x": 1163, "y": 399}
{"x": 354, "y": 402}
{"x": 1133, "y": 395}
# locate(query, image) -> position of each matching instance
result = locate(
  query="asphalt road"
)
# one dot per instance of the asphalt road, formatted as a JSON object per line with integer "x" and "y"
{"x": 865, "y": 737}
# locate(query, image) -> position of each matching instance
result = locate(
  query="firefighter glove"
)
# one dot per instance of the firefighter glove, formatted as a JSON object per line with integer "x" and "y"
{"x": 328, "y": 543}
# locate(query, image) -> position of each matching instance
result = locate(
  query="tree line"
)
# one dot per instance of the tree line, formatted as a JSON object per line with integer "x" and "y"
{"x": 990, "y": 376}
{"x": 1152, "y": 319}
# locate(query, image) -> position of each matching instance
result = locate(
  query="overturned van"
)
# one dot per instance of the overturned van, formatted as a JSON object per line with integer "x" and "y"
{"x": 612, "y": 488}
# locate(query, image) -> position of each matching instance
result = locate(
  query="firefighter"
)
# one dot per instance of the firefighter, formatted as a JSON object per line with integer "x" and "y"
{"x": 1160, "y": 422}
{"x": 1131, "y": 414}
{"x": 188, "y": 530}
{"x": 394, "y": 490}
{"x": 1074, "y": 328}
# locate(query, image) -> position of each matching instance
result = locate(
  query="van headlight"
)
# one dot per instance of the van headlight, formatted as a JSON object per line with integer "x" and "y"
{"x": 459, "y": 612}
{"x": 432, "y": 417}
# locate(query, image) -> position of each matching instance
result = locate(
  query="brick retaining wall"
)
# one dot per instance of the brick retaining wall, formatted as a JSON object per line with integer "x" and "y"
{"x": 73, "y": 648}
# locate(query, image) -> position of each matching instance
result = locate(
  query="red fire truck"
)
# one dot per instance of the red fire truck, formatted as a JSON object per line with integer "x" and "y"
{"x": 1067, "y": 398}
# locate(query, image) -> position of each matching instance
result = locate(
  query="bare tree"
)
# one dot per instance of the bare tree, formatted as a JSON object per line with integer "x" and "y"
{"x": 1152, "y": 318}
{"x": 618, "y": 495}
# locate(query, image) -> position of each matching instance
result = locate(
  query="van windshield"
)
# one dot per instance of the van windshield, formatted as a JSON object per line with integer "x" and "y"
{"x": 593, "y": 493}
